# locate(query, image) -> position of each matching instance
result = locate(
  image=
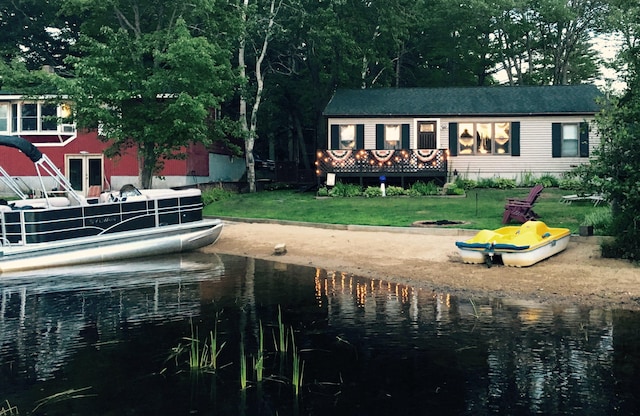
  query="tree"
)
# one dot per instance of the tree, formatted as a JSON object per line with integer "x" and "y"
{"x": 149, "y": 78}
{"x": 546, "y": 42}
{"x": 615, "y": 169}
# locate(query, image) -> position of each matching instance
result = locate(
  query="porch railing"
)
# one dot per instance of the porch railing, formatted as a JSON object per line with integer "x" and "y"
{"x": 366, "y": 161}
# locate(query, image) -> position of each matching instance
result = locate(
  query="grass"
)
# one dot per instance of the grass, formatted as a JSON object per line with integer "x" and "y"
{"x": 479, "y": 209}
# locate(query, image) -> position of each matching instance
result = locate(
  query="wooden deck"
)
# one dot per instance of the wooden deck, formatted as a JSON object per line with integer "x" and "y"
{"x": 415, "y": 163}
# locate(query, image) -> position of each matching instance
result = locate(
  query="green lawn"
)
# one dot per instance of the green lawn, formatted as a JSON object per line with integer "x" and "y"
{"x": 480, "y": 208}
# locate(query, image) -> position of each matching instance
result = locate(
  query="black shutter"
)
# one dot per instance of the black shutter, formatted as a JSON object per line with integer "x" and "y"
{"x": 515, "y": 138}
{"x": 379, "y": 136}
{"x": 405, "y": 136}
{"x": 359, "y": 136}
{"x": 556, "y": 139}
{"x": 584, "y": 139}
{"x": 335, "y": 137}
{"x": 453, "y": 139}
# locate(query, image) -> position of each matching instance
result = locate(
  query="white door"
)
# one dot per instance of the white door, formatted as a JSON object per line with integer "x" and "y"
{"x": 84, "y": 170}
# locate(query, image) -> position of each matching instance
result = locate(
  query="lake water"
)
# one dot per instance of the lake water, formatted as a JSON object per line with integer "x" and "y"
{"x": 115, "y": 339}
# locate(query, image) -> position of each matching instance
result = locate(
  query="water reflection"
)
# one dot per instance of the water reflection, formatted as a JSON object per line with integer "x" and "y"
{"x": 369, "y": 346}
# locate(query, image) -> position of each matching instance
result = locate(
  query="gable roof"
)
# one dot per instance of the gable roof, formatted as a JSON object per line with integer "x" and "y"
{"x": 466, "y": 101}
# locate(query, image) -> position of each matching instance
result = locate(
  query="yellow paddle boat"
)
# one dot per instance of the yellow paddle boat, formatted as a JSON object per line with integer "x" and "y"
{"x": 518, "y": 246}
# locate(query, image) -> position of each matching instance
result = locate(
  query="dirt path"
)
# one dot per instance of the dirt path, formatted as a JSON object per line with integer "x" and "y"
{"x": 428, "y": 258}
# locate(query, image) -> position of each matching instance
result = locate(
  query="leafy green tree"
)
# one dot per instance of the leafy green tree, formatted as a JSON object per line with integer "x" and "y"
{"x": 546, "y": 42}
{"x": 149, "y": 77}
{"x": 615, "y": 170}
{"x": 34, "y": 32}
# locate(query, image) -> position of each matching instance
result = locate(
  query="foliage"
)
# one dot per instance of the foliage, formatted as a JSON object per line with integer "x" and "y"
{"x": 345, "y": 190}
{"x": 548, "y": 181}
{"x": 600, "y": 218}
{"x": 453, "y": 189}
{"x": 215, "y": 194}
{"x": 422, "y": 188}
{"x": 372, "y": 191}
{"x": 323, "y": 191}
{"x": 149, "y": 81}
{"x": 394, "y": 191}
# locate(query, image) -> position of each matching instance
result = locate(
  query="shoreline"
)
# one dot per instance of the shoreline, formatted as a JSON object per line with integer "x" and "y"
{"x": 426, "y": 258}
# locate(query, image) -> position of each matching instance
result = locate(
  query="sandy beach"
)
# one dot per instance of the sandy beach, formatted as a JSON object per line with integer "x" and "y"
{"x": 428, "y": 258}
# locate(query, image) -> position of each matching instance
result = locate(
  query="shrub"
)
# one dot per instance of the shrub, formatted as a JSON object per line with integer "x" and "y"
{"x": 548, "y": 181}
{"x": 215, "y": 194}
{"x": 600, "y": 219}
{"x": 372, "y": 191}
{"x": 503, "y": 183}
{"x": 394, "y": 191}
{"x": 323, "y": 191}
{"x": 420, "y": 188}
{"x": 464, "y": 183}
{"x": 345, "y": 190}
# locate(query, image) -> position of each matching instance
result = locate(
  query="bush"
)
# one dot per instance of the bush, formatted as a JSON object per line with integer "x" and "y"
{"x": 215, "y": 194}
{"x": 345, "y": 190}
{"x": 420, "y": 188}
{"x": 600, "y": 219}
{"x": 372, "y": 191}
{"x": 502, "y": 183}
{"x": 394, "y": 191}
{"x": 323, "y": 191}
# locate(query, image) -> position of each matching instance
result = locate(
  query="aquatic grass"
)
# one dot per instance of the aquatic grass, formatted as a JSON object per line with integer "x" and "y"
{"x": 243, "y": 367}
{"x": 297, "y": 374}
{"x": 70, "y": 394}
{"x": 9, "y": 409}
{"x": 207, "y": 356}
{"x": 258, "y": 362}
{"x": 281, "y": 343}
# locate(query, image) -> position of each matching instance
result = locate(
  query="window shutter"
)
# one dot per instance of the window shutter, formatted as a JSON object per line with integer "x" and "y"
{"x": 556, "y": 139}
{"x": 453, "y": 139}
{"x": 359, "y": 136}
{"x": 515, "y": 138}
{"x": 405, "y": 136}
{"x": 584, "y": 139}
{"x": 335, "y": 137}
{"x": 379, "y": 136}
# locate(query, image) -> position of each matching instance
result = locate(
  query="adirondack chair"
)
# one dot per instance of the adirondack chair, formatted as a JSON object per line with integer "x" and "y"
{"x": 522, "y": 209}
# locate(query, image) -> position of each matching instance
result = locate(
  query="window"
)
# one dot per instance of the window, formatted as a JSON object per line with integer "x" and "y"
{"x": 392, "y": 137}
{"x": 348, "y": 136}
{"x": 49, "y": 117}
{"x": 484, "y": 138}
{"x": 569, "y": 142}
{"x": 4, "y": 117}
{"x": 29, "y": 117}
{"x": 35, "y": 117}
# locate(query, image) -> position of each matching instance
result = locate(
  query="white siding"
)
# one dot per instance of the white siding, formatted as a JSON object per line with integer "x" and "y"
{"x": 535, "y": 145}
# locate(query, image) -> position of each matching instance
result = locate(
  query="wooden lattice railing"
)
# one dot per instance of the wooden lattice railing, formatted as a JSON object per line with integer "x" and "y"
{"x": 403, "y": 161}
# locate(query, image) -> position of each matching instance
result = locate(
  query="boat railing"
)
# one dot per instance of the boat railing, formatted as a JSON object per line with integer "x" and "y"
{"x": 25, "y": 223}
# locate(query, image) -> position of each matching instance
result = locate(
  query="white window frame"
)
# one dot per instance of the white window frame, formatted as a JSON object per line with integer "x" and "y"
{"x": 392, "y": 136}
{"x": 482, "y": 139}
{"x": 570, "y": 146}
{"x": 347, "y": 139}
{"x": 16, "y": 119}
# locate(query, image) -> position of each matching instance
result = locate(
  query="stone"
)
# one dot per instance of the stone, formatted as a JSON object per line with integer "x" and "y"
{"x": 280, "y": 249}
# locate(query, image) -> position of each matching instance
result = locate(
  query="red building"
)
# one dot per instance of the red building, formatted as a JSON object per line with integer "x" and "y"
{"x": 80, "y": 154}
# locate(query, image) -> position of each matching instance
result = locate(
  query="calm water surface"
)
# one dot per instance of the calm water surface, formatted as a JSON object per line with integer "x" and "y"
{"x": 116, "y": 340}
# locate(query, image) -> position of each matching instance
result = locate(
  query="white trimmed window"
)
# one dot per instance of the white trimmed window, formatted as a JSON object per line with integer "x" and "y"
{"x": 348, "y": 136}
{"x": 36, "y": 117}
{"x": 484, "y": 138}
{"x": 392, "y": 137}
{"x": 570, "y": 139}
{"x": 4, "y": 118}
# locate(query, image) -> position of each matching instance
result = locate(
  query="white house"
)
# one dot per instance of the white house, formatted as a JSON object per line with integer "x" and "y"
{"x": 408, "y": 134}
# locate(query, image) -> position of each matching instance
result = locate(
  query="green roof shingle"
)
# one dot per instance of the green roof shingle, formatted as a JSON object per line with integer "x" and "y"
{"x": 465, "y": 101}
